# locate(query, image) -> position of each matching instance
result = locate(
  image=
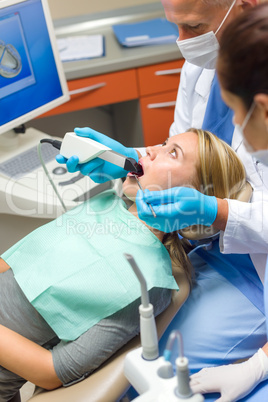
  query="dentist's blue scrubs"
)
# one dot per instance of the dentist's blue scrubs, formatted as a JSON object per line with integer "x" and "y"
{"x": 223, "y": 319}
{"x": 260, "y": 393}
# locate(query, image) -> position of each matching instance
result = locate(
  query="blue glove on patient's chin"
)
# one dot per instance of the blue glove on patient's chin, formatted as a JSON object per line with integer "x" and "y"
{"x": 99, "y": 170}
{"x": 176, "y": 208}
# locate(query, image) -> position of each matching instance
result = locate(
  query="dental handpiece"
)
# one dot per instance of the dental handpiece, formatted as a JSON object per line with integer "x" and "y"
{"x": 150, "y": 206}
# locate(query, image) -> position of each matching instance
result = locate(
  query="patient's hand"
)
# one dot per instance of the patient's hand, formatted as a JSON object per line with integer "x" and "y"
{"x": 3, "y": 266}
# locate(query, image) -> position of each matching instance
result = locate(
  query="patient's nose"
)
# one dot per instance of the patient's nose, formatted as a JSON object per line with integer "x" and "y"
{"x": 152, "y": 152}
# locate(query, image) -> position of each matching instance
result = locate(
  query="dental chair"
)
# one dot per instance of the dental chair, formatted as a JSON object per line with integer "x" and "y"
{"x": 108, "y": 383}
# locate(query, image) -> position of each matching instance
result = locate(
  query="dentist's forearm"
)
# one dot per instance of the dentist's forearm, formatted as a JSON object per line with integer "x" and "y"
{"x": 27, "y": 359}
{"x": 222, "y": 214}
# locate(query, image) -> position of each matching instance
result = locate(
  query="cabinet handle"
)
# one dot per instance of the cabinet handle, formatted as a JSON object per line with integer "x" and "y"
{"x": 168, "y": 72}
{"x": 87, "y": 89}
{"x": 161, "y": 105}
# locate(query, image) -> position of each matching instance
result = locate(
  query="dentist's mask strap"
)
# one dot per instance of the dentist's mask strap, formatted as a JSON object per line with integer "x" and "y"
{"x": 260, "y": 155}
{"x": 241, "y": 127}
{"x": 202, "y": 50}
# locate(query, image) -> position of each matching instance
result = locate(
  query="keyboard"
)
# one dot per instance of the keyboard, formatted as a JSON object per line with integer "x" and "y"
{"x": 27, "y": 161}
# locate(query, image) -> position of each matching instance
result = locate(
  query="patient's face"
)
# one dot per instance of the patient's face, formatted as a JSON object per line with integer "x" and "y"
{"x": 171, "y": 165}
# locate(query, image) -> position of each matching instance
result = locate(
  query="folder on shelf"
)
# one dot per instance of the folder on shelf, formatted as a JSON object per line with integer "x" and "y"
{"x": 156, "y": 31}
{"x": 81, "y": 47}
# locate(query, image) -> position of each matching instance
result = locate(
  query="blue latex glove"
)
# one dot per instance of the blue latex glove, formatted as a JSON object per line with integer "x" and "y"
{"x": 99, "y": 170}
{"x": 176, "y": 208}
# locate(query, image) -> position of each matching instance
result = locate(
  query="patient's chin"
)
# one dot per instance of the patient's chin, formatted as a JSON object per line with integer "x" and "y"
{"x": 130, "y": 195}
{"x": 130, "y": 198}
{"x": 130, "y": 189}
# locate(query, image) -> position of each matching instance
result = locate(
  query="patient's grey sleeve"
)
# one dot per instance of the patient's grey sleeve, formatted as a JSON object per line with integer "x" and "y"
{"x": 76, "y": 360}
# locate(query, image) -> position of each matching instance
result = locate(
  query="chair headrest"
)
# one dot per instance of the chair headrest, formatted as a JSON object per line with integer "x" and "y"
{"x": 199, "y": 232}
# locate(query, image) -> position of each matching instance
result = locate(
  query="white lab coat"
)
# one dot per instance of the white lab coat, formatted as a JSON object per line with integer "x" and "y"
{"x": 247, "y": 226}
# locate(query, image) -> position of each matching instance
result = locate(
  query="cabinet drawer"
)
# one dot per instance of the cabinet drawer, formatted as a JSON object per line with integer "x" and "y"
{"x": 99, "y": 90}
{"x": 159, "y": 77}
{"x": 157, "y": 116}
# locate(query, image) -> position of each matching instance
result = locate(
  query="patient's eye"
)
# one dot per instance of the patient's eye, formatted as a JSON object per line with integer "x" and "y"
{"x": 164, "y": 143}
{"x": 173, "y": 152}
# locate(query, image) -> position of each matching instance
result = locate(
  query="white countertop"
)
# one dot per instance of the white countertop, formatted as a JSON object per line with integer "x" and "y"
{"x": 116, "y": 56}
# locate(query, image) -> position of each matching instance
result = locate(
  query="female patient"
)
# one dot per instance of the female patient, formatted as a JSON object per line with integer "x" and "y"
{"x": 69, "y": 299}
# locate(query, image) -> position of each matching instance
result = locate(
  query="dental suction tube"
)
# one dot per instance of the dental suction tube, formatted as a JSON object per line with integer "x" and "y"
{"x": 148, "y": 333}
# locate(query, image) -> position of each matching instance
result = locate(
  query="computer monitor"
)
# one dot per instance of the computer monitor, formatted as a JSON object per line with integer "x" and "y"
{"x": 32, "y": 79}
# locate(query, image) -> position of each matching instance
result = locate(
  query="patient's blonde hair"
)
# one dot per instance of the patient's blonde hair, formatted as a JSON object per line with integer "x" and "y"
{"x": 220, "y": 173}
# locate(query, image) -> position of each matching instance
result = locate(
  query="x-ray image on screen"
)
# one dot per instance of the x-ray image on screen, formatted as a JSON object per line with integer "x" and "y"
{"x": 16, "y": 70}
{"x": 10, "y": 60}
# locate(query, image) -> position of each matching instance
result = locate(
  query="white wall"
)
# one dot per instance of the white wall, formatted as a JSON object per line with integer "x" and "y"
{"x": 69, "y": 8}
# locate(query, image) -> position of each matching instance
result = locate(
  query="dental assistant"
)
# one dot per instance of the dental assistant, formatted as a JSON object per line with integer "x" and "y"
{"x": 246, "y": 92}
{"x": 226, "y": 305}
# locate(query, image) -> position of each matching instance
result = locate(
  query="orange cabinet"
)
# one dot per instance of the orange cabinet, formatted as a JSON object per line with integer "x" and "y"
{"x": 155, "y": 86}
{"x": 158, "y": 87}
{"x": 159, "y": 77}
{"x": 99, "y": 90}
{"x": 157, "y": 116}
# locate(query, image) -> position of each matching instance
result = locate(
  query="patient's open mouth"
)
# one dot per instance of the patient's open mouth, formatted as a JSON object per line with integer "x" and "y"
{"x": 139, "y": 172}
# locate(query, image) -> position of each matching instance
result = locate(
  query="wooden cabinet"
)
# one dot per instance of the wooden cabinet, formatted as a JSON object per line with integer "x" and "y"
{"x": 159, "y": 77}
{"x": 155, "y": 86}
{"x": 157, "y": 116}
{"x": 158, "y": 87}
{"x": 99, "y": 90}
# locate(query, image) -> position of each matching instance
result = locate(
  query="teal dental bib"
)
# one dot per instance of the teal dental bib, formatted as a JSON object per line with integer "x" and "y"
{"x": 73, "y": 271}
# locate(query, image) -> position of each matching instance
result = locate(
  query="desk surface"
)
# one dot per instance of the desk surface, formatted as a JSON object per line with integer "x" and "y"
{"x": 117, "y": 57}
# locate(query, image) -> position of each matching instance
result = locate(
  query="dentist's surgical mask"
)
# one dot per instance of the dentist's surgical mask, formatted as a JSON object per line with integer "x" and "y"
{"x": 262, "y": 154}
{"x": 202, "y": 50}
